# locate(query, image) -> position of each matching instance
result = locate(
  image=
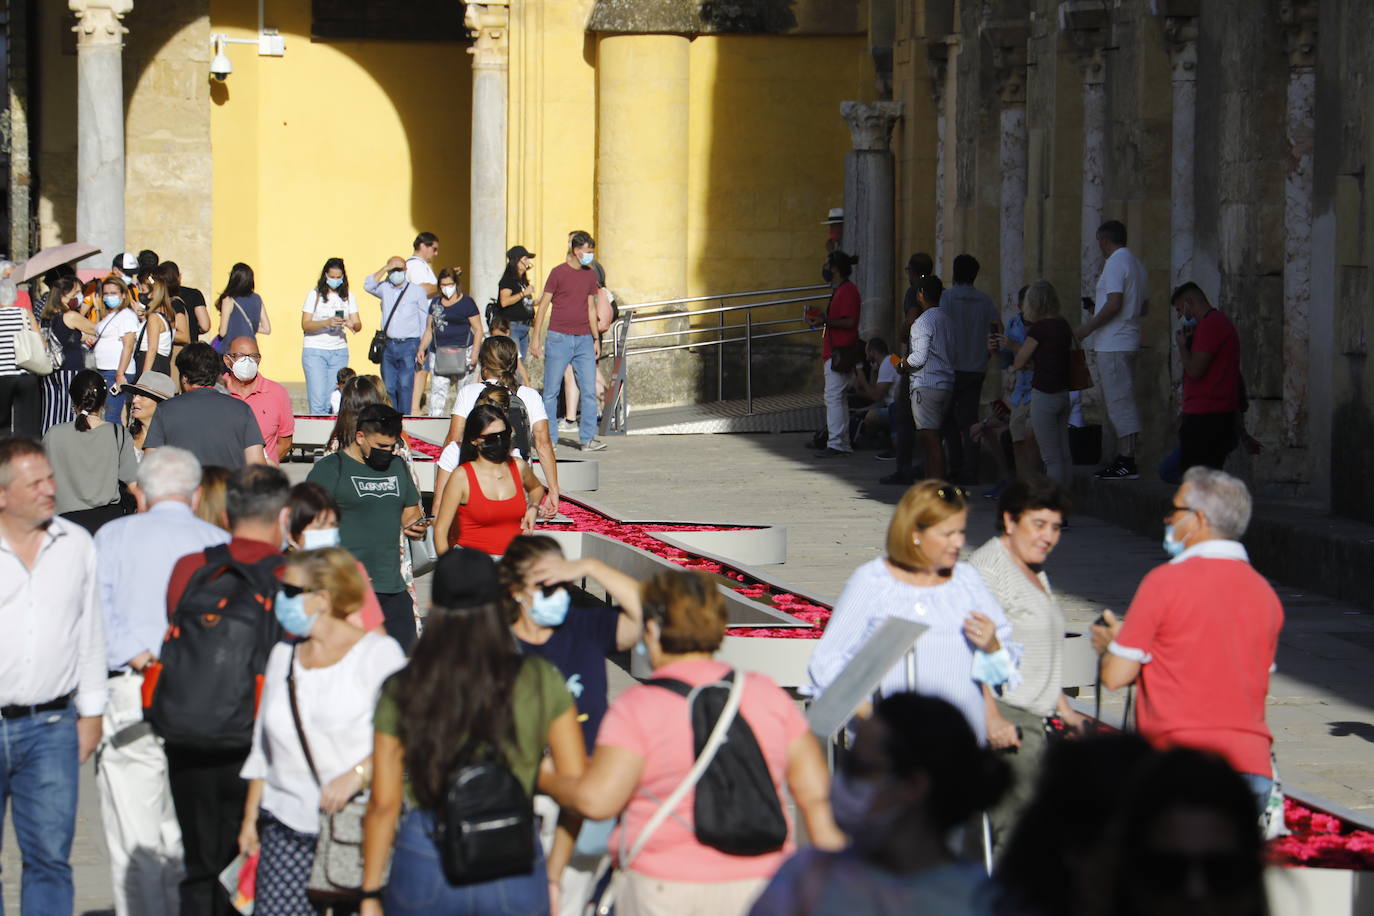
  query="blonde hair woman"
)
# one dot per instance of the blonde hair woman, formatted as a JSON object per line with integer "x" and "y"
{"x": 1049, "y": 343}
{"x": 922, "y": 579}
{"x": 312, "y": 743}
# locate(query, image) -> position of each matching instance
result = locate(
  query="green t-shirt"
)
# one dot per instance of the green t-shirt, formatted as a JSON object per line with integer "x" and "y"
{"x": 540, "y": 696}
{"x": 370, "y": 506}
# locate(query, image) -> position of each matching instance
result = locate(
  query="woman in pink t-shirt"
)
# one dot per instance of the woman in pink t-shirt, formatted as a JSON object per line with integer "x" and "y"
{"x": 645, "y": 748}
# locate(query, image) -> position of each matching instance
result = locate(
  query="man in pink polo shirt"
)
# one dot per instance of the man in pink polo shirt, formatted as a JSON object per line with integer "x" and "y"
{"x": 1201, "y": 633}
{"x": 269, "y": 401}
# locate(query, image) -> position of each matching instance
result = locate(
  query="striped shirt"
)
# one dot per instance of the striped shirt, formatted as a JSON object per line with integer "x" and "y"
{"x": 13, "y": 320}
{"x": 944, "y": 656}
{"x": 1037, "y": 623}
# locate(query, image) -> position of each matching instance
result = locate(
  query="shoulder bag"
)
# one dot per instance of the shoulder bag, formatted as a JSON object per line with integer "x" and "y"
{"x": 31, "y": 350}
{"x": 377, "y": 349}
{"x": 1080, "y": 378}
{"x": 336, "y": 874}
{"x": 604, "y": 904}
{"x": 219, "y": 343}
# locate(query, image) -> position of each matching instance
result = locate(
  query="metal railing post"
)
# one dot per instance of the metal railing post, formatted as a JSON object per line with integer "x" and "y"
{"x": 749, "y": 359}
{"x": 720, "y": 357}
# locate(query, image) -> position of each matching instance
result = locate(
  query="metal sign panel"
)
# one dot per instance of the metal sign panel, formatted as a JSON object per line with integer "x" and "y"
{"x": 894, "y": 638}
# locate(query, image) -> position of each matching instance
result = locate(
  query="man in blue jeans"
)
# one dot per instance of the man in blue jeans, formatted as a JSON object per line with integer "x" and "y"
{"x": 568, "y": 310}
{"x": 405, "y": 306}
{"x": 52, "y": 671}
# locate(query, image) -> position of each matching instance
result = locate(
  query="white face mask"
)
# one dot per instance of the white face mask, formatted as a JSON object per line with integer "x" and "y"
{"x": 448, "y": 291}
{"x": 245, "y": 369}
{"x": 316, "y": 538}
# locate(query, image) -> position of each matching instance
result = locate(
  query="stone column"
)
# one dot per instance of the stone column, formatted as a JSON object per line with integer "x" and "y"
{"x": 1009, "y": 66}
{"x": 868, "y": 211}
{"x": 641, "y": 164}
{"x": 100, "y": 126}
{"x": 941, "y": 56}
{"x": 1181, "y": 34}
{"x": 1300, "y": 22}
{"x": 489, "y": 23}
{"x": 1086, "y": 22}
{"x": 17, "y": 133}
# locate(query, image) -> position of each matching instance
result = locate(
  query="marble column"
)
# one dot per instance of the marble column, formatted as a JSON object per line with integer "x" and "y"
{"x": 489, "y": 23}
{"x": 1300, "y": 22}
{"x": 20, "y": 171}
{"x": 941, "y": 58}
{"x": 100, "y": 126}
{"x": 1181, "y": 35}
{"x": 868, "y": 211}
{"x": 1094, "y": 71}
{"x": 1009, "y": 59}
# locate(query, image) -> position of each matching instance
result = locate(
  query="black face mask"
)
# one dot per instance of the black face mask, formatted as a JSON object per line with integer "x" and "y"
{"x": 495, "y": 449}
{"x": 379, "y": 459}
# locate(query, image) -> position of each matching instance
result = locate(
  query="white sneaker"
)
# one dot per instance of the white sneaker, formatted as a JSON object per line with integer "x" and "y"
{"x": 593, "y": 445}
{"x": 567, "y": 426}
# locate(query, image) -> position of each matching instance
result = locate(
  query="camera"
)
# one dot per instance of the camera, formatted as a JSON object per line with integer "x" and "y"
{"x": 220, "y": 67}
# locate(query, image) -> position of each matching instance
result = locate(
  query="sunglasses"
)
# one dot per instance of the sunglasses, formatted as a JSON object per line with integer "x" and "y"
{"x": 492, "y": 437}
{"x": 1171, "y": 509}
{"x": 291, "y": 591}
{"x": 952, "y": 494}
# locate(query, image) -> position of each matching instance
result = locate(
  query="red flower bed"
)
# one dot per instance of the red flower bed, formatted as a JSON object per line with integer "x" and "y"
{"x": 1320, "y": 840}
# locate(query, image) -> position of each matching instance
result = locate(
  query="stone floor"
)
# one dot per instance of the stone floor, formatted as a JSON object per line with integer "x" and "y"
{"x": 1322, "y": 699}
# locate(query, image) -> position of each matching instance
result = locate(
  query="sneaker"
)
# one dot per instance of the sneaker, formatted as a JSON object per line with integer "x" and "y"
{"x": 567, "y": 426}
{"x": 995, "y": 492}
{"x": 1120, "y": 469}
{"x": 886, "y": 456}
{"x": 593, "y": 445}
{"x": 833, "y": 453}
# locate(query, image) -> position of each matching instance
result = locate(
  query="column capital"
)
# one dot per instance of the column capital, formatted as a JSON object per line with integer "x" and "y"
{"x": 871, "y": 123}
{"x": 98, "y": 21}
{"x": 489, "y": 22}
{"x": 1008, "y": 38}
{"x": 1299, "y": 18}
{"x": 1180, "y": 35}
{"x": 1085, "y": 24}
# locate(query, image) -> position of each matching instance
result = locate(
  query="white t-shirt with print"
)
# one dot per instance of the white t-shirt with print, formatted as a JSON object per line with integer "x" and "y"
{"x": 1123, "y": 273}
{"x": 319, "y": 309}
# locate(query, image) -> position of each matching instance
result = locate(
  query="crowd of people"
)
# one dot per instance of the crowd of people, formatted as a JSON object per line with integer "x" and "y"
{"x": 928, "y": 392}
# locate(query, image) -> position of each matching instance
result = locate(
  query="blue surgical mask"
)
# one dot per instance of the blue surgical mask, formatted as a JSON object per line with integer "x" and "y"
{"x": 641, "y": 649}
{"x": 1172, "y": 546}
{"x": 333, "y": 282}
{"x": 397, "y": 277}
{"x": 291, "y": 613}
{"x": 112, "y": 302}
{"x": 851, "y": 800}
{"x": 586, "y": 258}
{"x": 317, "y": 538}
{"x": 550, "y": 610}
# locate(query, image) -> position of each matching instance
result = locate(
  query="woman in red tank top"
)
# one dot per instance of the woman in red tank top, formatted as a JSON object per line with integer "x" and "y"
{"x": 492, "y": 497}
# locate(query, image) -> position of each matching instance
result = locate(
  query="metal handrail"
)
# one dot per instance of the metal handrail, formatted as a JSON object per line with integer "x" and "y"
{"x": 616, "y": 418}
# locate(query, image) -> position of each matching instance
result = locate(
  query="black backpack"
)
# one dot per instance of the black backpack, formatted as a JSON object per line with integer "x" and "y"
{"x": 215, "y": 652}
{"x": 736, "y": 809}
{"x": 519, "y": 420}
{"x": 485, "y": 827}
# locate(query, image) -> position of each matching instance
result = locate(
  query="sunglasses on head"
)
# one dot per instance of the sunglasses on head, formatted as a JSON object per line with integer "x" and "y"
{"x": 952, "y": 494}
{"x": 291, "y": 591}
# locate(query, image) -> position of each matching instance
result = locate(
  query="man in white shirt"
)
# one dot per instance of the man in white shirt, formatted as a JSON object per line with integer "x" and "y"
{"x": 1113, "y": 334}
{"x": 52, "y": 670}
{"x": 418, "y": 269}
{"x": 141, "y": 830}
{"x": 931, "y": 369}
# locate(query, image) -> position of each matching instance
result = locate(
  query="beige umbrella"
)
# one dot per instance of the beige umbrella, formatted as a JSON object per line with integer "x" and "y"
{"x": 56, "y": 256}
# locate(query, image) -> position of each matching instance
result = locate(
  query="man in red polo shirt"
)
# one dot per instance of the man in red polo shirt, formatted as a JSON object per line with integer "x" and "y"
{"x": 1210, "y": 352}
{"x": 207, "y": 791}
{"x": 269, "y": 401}
{"x": 841, "y": 333}
{"x": 1201, "y": 633}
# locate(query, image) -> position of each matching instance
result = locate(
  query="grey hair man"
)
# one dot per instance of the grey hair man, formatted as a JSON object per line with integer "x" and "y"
{"x": 136, "y": 807}
{"x": 1201, "y": 633}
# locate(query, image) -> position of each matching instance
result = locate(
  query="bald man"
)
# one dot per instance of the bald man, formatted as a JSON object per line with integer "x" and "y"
{"x": 405, "y": 306}
{"x": 269, "y": 401}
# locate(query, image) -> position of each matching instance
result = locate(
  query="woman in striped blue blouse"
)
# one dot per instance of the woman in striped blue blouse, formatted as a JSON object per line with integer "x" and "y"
{"x": 921, "y": 579}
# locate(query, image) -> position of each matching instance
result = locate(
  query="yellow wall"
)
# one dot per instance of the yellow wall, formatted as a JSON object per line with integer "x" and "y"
{"x": 339, "y": 148}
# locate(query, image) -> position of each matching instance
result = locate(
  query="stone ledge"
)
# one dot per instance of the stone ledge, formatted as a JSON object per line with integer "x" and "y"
{"x": 1293, "y": 544}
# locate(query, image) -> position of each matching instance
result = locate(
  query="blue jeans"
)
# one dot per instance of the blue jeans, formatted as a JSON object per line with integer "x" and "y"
{"x": 398, "y": 370}
{"x": 580, "y": 350}
{"x": 321, "y": 376}
{"x": 114, "y": 403}
{"x": 38, "y": 773}
{"x": 417, "y": 883}
{"x": 520, "y": 333}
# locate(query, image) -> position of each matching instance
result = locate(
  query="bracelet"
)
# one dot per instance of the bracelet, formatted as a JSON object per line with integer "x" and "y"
{"x": 361, "y": 770}
{"x": 374, "y": 894}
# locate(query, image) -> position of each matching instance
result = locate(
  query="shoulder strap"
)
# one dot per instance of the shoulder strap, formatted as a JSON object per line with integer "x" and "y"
{"x": 708, "y": 753}
{"x": 245, "y": 317}
{"x": 394, "y": 306}
{"x": 296, "y": 714}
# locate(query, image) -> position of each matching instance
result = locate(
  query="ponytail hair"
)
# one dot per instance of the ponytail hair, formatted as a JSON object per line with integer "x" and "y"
{"x": 87, "y": 392}
{"x": 497, "y": 359}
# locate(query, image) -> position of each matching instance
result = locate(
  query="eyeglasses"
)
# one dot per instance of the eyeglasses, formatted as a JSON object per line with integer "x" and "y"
{"x": 1176, "y": 509}
{"x": 291, "y": 591}
{"x": 255, "y": 357}
{"x": 952, "y": 494}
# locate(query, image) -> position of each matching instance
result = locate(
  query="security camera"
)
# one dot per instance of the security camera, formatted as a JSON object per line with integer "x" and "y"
{"x": 220, "y": 67}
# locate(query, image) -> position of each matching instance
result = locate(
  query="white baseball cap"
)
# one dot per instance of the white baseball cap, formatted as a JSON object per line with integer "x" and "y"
{"x": 128, "y": 262}
{"x": 836, "y": 215}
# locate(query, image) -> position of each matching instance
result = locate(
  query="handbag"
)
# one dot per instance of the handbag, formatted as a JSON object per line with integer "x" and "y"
{"x": 336, "y": 873}
{"x": 54, "y": 346}
{"x": 844, "y": 358}
{"x": 423, "y": 556}
{"x": 1080, "y": 378}
{"x": 377, "y": 349}
{"x": 451, "y": 361}
{"x": 604, "y": 903}
{"x": 31, "y": 350}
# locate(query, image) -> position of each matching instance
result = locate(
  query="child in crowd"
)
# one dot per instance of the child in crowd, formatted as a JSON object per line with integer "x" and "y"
{"x": 337, "y": 394}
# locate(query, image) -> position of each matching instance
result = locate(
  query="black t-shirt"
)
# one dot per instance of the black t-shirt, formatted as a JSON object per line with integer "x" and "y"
{"x": 1053, "y": 340}
{"x": 185, "y": 302}
{"x": 578, "y": 649}
{"x": 521, "y": 311}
